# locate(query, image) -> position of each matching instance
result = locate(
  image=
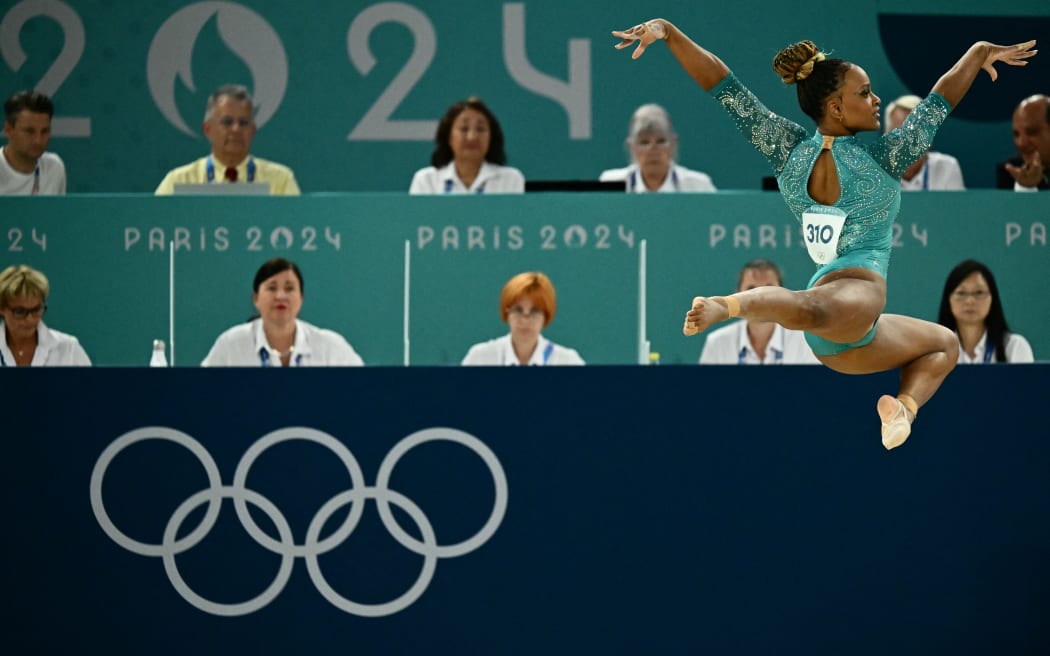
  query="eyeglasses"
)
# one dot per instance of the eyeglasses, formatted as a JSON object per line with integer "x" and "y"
{"x": 660, "y": 144}
{"x": 977, "y": 296}
{"x": 228, "y": 121}
{"x": 518, "y": 311}
{"x": 22, "y": 313}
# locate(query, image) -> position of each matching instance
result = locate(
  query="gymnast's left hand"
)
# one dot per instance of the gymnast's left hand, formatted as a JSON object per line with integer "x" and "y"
{"x": 1015, "y": 55}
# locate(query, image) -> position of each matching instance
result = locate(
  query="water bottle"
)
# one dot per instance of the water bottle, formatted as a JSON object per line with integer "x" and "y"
{"x": 158, "y": 359}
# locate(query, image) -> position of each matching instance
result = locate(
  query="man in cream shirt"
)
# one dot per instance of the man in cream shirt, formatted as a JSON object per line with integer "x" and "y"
{"x": 229, "y": 124}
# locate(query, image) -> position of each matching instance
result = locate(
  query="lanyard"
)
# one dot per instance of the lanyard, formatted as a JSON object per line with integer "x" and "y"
{"x": 926, "y": 176}
{"x": 264, "y": 358}
{"x": 632, "y": 182}
{"x": 210, "y": 169}
{"x": 36, "y": 180}
{"x": 989, "y": 350}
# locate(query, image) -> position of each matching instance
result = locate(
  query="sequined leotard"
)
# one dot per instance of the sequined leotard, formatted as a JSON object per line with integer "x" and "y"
{"x": 869, "y": 175}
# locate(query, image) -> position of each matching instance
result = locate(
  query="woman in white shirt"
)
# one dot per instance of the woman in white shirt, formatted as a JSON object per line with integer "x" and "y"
{"x": 469, "y": 157}
{"x": 652, "y": 145}
{"x": 24, "y": 339}
{"x": 276, "y": 337}
{"x": 971, "y": 306}
{"x": 527, "y": 304}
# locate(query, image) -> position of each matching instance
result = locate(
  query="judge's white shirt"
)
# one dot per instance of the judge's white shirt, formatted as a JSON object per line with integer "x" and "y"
{"x": 500, "y": 352}
{"x": 731, "y": 345}
{"x": 49, "y": 177}
{"x": 1018, "y": 351}
{"x": 491, "y": 179}
{"x": 53, "y": 349}
{"x": 940, "y": 173}
{"x": 678, "y": 178}
{"x": 245, "y": 345}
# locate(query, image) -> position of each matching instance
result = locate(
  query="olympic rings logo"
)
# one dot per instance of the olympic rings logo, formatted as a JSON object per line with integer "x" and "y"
{"x": 312, "y": 546}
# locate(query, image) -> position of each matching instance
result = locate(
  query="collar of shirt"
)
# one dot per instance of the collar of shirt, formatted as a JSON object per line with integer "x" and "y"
{"x": 447, "y": 173}
{"x": 45, "y": 342}
{"x": 510, "y": 358}
{"x": 978, "y": 350}
{"x": 300, "y": 348}
{"x": 220, "y": 168}
{"x": 637, "y": 185}
{"x": 750, "y": 355}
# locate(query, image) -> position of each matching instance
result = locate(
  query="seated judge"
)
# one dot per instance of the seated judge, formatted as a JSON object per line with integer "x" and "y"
{"x": 652, "y": 146}
{"x": 527, "y": 304}
{"x": 229, "y": 124}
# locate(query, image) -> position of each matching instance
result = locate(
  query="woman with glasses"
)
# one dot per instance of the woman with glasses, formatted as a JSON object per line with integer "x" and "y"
{"x": 970, "y": 305}
{"x": 846, "y": 194}
{"x": 24, "y": 339}
{"x": 275, "y": 336}
{"x": 527, "y": 304}
{"x": 652, "y": 146}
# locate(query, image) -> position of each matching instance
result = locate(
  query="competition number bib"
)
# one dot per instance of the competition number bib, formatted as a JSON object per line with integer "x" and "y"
{"x": 821, "y": 228}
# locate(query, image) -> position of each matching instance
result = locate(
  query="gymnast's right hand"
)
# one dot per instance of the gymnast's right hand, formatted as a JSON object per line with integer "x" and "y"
{"x": 644, "y": 33}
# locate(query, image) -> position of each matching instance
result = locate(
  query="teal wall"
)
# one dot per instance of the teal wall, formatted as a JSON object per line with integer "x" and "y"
{"x": 130, "y": 80}
{"x": 108, "y": 260}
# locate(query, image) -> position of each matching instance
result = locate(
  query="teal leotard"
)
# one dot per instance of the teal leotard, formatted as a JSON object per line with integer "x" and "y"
{"x": 869, "y": 177}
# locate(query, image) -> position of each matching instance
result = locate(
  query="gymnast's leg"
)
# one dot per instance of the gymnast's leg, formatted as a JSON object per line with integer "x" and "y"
{"x": 841, "y": 307}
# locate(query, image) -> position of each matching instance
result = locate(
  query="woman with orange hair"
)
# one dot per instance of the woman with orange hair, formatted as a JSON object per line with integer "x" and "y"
{"x": 527, "y": 305}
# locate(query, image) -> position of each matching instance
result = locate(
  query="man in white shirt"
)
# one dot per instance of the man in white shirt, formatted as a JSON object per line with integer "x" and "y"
{"x": 229, "y": 124}
{"x": 933, "y": 171}
{"x": 26, "y": 168}
{"x": 757, "y": 342}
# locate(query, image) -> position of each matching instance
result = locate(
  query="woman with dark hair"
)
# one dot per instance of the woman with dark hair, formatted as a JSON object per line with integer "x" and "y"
{"x": 275, "y": 336}
{"x": 846, "y": 195}
{"x": 970, "y": 305}
{"x": 468, "y": 155}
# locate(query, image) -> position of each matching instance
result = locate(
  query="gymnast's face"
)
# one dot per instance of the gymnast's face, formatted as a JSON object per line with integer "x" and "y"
{"x": 856, "y": 102}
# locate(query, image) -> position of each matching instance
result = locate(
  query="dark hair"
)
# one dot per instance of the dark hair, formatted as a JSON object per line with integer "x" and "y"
{"x": 271, "y": 268}
{"x": 31, "y": 100}
{"x": 759, "y": 264}
{"x": 816, "y": 77}
{"x": 994, "y": 323}
{"x": 443, "y": 152}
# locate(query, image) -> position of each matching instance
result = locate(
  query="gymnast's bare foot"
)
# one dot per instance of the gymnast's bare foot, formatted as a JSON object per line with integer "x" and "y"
{"x": 705, "y": 313}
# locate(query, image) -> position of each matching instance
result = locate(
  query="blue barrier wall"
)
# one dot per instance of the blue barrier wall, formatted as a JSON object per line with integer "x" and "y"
{"x": 716, "y": 510}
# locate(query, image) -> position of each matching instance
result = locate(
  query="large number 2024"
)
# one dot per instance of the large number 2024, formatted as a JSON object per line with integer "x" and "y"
{"x": 376, "y": 125}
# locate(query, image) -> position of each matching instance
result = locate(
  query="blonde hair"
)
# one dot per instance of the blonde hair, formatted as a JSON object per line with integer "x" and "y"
{"x": 21, "y": 280}
{"x": 534, "y": 286}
